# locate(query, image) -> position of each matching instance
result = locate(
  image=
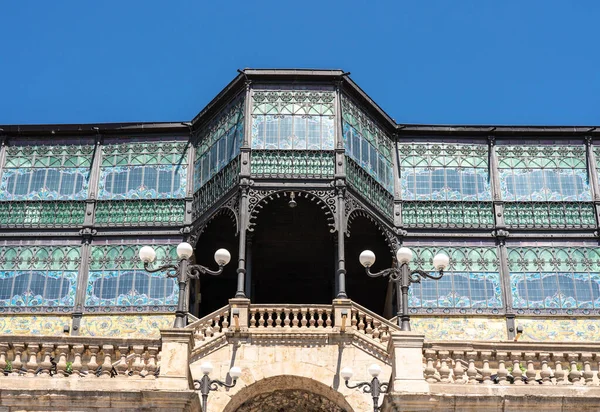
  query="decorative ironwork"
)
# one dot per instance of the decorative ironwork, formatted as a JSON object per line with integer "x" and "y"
{"x": 354, "y": 208}
{"x": 448, "y": 214}
{"x": 471, "y": 281}
{"x": 143, "y": 171}
{"x": 230, "y": 208}
{"x": 117, "y": 281}
{"x": 324, "y": 198}
{"x": 369, "y": 189}
{"x": 38, "y": 278}
{"x": 216, "y": 188}
{"x": 294, "y": 102}
{"x": 42, "y": 213}
{"x": 218, "y": 142}
{"x": 292, "y": 164}
{"x": 543, "y": 173}
{"x": 140, "y": 212}
{"x": 46, "y": 172}
{"x": 555, "y": 277}
{"x": 549, "y": 214}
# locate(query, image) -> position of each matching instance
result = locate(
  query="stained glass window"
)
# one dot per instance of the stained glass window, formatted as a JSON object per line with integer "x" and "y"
{"x": 38, "y": 276}
{"x": 430, "y": 171}
{"x": 367, "y": 144}
{"x": 219, "y": 143}
{"x": 543, "y": 173}
{"x": 555, "y": 277}
{"x": 143, "y": 171}
{"x": 45, "y": 172}
{"x": 117, "y": 277}
{"x": 471, "y": 281}
{"x": 293, "y": 119}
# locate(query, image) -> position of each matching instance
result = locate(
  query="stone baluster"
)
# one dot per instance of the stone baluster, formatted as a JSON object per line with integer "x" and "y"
{"x": 430, "y": 371}
{"x": 225, "y": 322}
{"x": 311, "y": 318}
{"x": 459, "y": 370}
{"x": 46, "y": 364}
{"x": 294, "y": 317}
{"x": 486, "y": 372}
{"x": 545, "y": 373}
{"x": 32, "y": 362}
{"x": 588, "y": 375}
{"x": 107, "y": 351}
{"x": 304, "y": 321}
{"x": 320, "y": 318}
{"x": 559, "y": 373}
{"x": 122, "y": 366}
{"x": 368, "y": 328}
{"x": 3, "y": 356}
{"x": 471, "y": 370}
{"x": 516, "y": 371}
{"x": 138, "y": 364}
{"x": 17, "y": 363}
{"x": 261, "y": 318}
{"x": 530, "y": 373}
{"x": 210, "y": 330}
{"x": 286, "y": 317}
{"x": 62, "y": 351}
{"x": 328, "y": 319}
{"x": 152, "y": 366}
{"x": 354, "y": 319}
{"x": 444, "y": 371}
{"x": 269, "y": 318}
{"x": 502, "y": 373}
{"x": 77, "y": 366}
{"x": 278, "y": 316}
{"x": 385, "y": 335}
{"x": 574, "y": 374}
{"x": 361, "y": 323}
{"x": 376, "y": 325}
{"x": 92, "y": 366}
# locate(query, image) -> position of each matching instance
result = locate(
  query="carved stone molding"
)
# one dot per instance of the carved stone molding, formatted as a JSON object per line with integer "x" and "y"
{"x": 326, "y": 199}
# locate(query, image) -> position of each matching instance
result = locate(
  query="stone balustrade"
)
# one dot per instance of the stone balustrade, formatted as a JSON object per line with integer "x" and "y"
{"x": 371, "y": 324}
{"x": 291, "y": 316}
{"x": 512, "y": 363}
{"x": 211, "y": 326}
{"x": 78, "y": 357}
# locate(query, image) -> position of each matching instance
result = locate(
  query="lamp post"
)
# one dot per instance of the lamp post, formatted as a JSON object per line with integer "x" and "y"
{"x": 205, "y": 385}
{"x": 402, "y": 277}
{"x": 375, "y": 388}
{"x": 183, "y": 271}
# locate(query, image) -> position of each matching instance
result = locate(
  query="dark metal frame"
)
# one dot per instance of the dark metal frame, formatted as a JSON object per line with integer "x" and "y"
{"x": 205, "y": 385}
{"x": 375, "y": 388}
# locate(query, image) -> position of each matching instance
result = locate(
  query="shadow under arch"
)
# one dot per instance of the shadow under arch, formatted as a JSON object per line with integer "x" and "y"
{"x": 290, "y": 393}
{"x": 375, "y": 294}
{"x": 210, "y": 293}
{"x": 292, "y": 257}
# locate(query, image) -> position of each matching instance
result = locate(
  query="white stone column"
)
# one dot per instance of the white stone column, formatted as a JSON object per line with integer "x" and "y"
{"x": 406, "y": 350}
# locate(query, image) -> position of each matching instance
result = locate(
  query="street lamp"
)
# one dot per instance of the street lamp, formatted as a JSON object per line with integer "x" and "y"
{"x": 402, "y": 277}
{"x": 375, "y": 388}
{"x": 205, "y": 385}
{"x": 183, "y": 271}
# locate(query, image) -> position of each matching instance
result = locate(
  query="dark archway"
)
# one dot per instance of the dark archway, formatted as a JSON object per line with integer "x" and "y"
{"x": 292, "y": 254}
{"x": 210, "y": 293}
{"x": 372, "y": 293}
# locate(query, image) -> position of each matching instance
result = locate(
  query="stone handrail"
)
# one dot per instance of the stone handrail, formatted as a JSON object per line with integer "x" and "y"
{"x": 79, "y": 357}
{"x": 211, "y": 326}
{"x": 512, "y": 363}
{"x": 371, "y": 324}
{"x": 291, "y": 316}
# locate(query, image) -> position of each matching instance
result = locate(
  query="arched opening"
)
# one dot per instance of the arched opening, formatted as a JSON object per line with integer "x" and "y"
{"x": 373, "y": 293}
{"x": 290, "y": 394}
{"x": 210, "y": 293}
{"x": 292, "y": 253}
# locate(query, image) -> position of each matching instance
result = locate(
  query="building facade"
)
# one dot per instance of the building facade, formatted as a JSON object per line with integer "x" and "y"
{"x": 296, "y": 172}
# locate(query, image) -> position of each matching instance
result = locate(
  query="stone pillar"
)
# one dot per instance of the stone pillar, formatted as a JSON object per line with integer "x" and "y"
{"x": 342, "y": 307}
{"x": 406, "y": 350}
{"x": 175, "y": 373}
{"x": 241, "y": 307}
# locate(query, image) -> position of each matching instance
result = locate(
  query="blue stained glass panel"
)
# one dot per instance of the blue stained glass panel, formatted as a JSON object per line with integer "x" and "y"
{"x": 37, "y": 288}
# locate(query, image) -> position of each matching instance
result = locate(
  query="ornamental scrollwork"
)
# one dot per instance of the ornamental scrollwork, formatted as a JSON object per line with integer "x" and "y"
{"x": 354, "y": 209}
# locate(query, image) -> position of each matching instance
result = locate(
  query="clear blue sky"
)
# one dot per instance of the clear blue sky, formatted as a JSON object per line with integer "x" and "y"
{"x": 457, "y": 62}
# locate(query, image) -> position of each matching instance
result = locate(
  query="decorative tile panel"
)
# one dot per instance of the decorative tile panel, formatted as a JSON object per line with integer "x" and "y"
{"x": 46, "y": 172}
{"x": 367, "y": 144}
{"x": 558, "y": 329}
{"x": 543, "y": 173}
{"x": 218, "y": 143}
{"x": 36, "y": 325}
{"x": 459, "y": 328}
{"x": 472, "y": 280}
{"x": 117, "y": 278}
{"x": 125, "y": 326}
{"x": 555, "y": 277}
{"x": 143, "y": 171}
{"x": 38, "y": 277}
